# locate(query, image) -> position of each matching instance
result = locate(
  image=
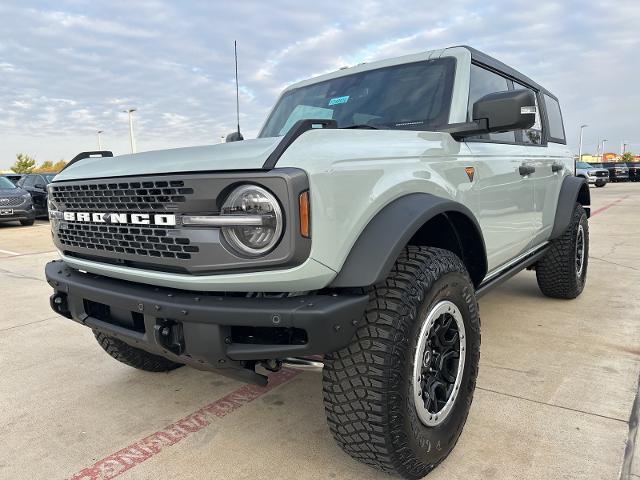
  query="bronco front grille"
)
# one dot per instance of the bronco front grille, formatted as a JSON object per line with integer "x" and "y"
{"x": 150, "y": 241}
{"x": 143, "y": 196}
{"x": 135, "y": 239}
{"x": 11, "y": 201}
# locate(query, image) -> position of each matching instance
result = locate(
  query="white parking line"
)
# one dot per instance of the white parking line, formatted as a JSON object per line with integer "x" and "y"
{"x": 8, "y": 252}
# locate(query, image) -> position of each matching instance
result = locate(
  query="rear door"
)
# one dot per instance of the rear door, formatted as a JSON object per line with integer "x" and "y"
{"x": 502, "y": 191}
{"x": 547, "y": 153}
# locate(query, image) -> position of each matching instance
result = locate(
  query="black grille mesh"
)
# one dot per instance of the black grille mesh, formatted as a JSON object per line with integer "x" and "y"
{"x": 10, "y": 201}
{"x": 132, "y": 196}
{"x": 149, "y": 241}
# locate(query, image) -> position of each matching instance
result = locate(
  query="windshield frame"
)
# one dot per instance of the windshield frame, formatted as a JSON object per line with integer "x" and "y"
{"x": 450, "y": 91}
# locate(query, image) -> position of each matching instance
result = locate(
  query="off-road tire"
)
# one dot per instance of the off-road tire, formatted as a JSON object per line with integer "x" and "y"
{"x": 368, "y": 391}
{"x": 27, "y": 223}
{"x": 134, "y": 357}
{"x": 556, "y": 271}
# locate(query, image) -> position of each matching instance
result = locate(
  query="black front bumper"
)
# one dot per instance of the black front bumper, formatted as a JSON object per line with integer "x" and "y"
{"x": 19, "y": 214}
{"x": 208, "y": 331}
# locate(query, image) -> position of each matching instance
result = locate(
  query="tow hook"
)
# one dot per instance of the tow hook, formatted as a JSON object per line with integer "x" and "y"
{"x": 58, "y": 302}
{"x": 170, "y": 336}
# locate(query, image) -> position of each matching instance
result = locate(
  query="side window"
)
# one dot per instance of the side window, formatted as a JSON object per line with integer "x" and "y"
{"x": 556, "y": 128}
{"x": 532, "y": 136}
{"x": 481, "y": 83}
{"x": 30, "y": 181}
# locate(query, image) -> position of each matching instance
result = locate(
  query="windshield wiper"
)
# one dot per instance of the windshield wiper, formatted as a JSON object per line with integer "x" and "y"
{"x": 360, "y": 125}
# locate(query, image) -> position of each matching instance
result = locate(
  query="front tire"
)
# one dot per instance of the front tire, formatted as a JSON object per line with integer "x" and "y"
{"x": 27, "y": 223}
{"x": 562, "y": 272}
{"x": 424, "y": 318}
{"x": 134, "y": 357}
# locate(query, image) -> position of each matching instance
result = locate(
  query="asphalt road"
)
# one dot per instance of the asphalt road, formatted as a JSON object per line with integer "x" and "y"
{"x": 555, "y": 396}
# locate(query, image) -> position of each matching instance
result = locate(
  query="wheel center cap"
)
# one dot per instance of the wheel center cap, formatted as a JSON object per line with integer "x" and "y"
{"x": 426, "y": 359}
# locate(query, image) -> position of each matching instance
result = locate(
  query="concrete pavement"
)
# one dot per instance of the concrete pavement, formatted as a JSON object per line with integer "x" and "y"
{"x": 557, "y": 385}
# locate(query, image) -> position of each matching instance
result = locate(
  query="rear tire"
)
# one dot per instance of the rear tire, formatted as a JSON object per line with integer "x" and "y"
{"x": 562, "y": 272}
{"x": 376, "y": 403}
{"x": 27, "y": 223}
{"x": 134, "y": 357}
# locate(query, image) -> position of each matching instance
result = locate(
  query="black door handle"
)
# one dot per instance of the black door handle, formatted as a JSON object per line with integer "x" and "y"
{"x": 526, "y": 170}
{"x": 557, "y": 167}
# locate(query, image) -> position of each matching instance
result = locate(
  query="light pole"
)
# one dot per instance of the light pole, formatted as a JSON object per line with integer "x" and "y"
{"x": 131, "y": 139}
{"x": 582, "y": 127}
{"x": 99, "y": 132}
{"x": 603, "y": 142}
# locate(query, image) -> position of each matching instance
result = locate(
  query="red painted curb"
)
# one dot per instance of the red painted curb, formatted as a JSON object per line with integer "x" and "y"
{"x": 608, "y": 206}
{"x": 142, "y": 450}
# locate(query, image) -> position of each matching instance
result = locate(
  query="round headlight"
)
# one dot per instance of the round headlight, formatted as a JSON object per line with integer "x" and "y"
{"x": 253, "y": 202}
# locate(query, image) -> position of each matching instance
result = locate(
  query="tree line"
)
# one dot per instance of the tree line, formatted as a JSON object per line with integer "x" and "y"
{"x": 26, "y": 164}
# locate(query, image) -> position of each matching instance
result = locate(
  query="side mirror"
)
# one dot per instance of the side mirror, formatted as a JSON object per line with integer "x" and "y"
{"x": 234, "y": 137}
{"x": 498, "y": 112}
{"x": 39, "y": 186}
{"x": 506, "y": 111}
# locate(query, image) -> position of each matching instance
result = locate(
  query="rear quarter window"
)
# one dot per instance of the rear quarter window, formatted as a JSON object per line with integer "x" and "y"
{"x": 556, "y": 128}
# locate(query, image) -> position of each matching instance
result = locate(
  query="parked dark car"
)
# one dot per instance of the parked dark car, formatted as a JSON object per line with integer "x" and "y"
{"x": 36, "y": 185}
{"x": 634, "y": 171}
{"x": 618, "y": 172}
{"x": 14, "y": 177}
{"x": 15, "y": 203}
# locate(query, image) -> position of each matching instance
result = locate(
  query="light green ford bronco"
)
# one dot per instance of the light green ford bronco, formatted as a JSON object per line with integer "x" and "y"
{"x": 376, "y": 205}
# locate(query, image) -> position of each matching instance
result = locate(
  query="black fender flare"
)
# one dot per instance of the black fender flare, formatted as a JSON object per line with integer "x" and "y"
{"x": 382, "y": 240}
{"x": 573, "y": 190}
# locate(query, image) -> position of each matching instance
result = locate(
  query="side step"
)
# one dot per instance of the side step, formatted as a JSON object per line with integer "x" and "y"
{"x": 526, "y": 261}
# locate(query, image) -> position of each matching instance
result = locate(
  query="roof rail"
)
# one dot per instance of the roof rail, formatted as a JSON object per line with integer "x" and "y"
{"x": 83, "y": 155}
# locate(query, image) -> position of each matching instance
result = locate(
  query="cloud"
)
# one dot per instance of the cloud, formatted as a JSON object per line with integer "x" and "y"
{"x": 69, "y": 68}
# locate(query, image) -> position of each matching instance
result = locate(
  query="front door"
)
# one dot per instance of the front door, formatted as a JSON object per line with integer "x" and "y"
{"x": 502, "y": 191}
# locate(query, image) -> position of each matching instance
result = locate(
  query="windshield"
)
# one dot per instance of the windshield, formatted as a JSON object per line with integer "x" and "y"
{"x": 5, "y": 183}
{"x": 49, "y": 177}
{"x": 414, "y": 96}
{"x": 621, "y": 164}
{"x": 584, "y": 165}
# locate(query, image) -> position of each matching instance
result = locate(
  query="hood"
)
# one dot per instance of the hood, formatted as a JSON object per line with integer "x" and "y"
{"x": 12, "y": 192}
{"x": 244, "y": 155}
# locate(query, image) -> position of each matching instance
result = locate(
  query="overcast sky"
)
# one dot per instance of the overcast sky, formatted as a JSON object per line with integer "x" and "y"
{"x": 69, "y": 68}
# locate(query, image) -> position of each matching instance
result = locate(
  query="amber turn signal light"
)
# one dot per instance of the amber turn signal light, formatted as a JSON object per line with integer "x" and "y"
{"x": 303, "y": 203}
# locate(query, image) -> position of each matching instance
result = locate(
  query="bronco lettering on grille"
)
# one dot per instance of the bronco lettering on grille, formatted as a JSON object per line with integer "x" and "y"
{"x": 121, "y": 218}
